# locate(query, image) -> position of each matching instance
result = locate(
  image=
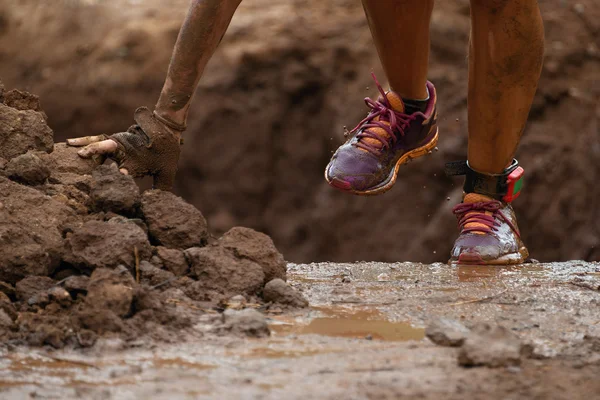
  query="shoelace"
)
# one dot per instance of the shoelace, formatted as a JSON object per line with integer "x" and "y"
{"x": 468, "y": 213}
{"x": 396, "y": 122}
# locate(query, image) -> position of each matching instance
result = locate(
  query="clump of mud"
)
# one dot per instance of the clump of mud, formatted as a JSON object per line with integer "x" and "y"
{"x": 84, "y": 254}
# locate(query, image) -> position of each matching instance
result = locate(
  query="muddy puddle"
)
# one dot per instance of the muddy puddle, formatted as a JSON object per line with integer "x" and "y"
{"x": 361, "y": 323}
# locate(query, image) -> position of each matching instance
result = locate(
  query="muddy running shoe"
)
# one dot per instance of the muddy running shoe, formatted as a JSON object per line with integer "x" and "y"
{"x": 489, "y": 233}
{"x": 368, "y": 162}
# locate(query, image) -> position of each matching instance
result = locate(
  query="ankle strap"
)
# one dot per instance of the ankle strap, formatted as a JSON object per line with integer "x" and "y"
{"x": 505, "y": 186}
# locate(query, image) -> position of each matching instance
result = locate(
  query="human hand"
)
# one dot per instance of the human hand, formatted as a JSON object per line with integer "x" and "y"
{"x": 148, "y": 148}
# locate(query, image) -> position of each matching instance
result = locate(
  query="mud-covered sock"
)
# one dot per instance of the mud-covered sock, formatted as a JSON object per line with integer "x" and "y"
{"x": 412, "y": 106}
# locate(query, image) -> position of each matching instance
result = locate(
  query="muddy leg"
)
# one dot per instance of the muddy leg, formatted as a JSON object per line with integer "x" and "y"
{"x": 400, "y": 29}
{"x": 505, "y": 61}
{"x": 202, "y": 31}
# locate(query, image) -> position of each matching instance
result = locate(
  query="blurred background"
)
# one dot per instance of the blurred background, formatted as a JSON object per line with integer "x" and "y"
{"x": 273, "y": 103}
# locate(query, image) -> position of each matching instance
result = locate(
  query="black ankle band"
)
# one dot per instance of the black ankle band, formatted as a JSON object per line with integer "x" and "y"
{"x": 505, "y": 186}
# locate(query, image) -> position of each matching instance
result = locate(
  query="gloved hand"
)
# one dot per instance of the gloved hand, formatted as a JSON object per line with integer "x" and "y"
{"x": 151, "y": 147}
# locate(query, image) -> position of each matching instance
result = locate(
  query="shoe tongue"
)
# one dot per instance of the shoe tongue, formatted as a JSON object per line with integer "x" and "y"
{"x": 395, "y": 101}
{"x": 397, "y": 104}
{"x": 476, "y": 198}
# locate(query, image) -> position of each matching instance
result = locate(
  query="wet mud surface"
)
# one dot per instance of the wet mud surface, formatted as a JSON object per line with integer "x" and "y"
{"x": 364, "y": 337}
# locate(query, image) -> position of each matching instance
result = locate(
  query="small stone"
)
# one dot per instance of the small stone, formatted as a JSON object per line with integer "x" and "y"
{"x": 41, "y": 299}
{"x": 64, "y": 159}
{"x": 86, "y": 338}
{"x": 5, "y": 320}
{"x": 173, "y": 260}
{"x": 383, "y": 277}
{"x": 247, "y": 322}
{"x": 447, "y": 332}
{"x": 256, "y": 247}
{"x": 32, "y": 285}
{"x": 76, "y": 284}
{"x": 21, "y": 131}
{"x": 277, "y": 291}
{"x": 490, "y": 346}
{"x": 98, "y": 244}
{"x": 114, "y": 191}
{"x": 7, "y": 306}
{"x": 111, "y": 291}
{"x": 7, "y": 289}
{"x": 59, "y": 295}
{"x": 218, "y": 270}
{"x": 27, "y": 169}
{"x": 172, "y": 222}
{"x": 151, "y": 275}
{"x": 22, "y": 100}
{"x": 100, "y": 321}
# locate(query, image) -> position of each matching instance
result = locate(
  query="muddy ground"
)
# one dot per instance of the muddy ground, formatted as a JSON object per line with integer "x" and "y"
{"x": 363, "y": 338}
{"x": 287, "y": 78}
{"x": 107, "y": 291}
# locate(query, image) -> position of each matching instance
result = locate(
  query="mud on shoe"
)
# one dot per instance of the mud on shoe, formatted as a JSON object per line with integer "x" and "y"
{"x": 368, "y": 163}
{"x": 489, "y": 234}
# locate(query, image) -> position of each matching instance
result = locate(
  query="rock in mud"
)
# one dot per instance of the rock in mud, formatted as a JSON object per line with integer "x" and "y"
{"x": 21, "y": 131}
{"x": 7, "y": 306}
{"x": 173, "y": 260}
{"x": 247, "y": 322}
{"x": 257, "y": 247}
{"x": 6, "y": 321}
{"x": 111, "y": 290}
{"x": 79, "y": 182}
{"x": 153, "y": 276}
{"x": 22, "y": 100}
{"x": 447, "y": 332}
{"x": 113, "y": 191}
{"x": 64, "y": 159}
{"x": 28, "y": 169}
{"x": 100, "y": 321}
{"x": 76, "y": 284}
{"x": 59, "y": 295}
{"x": 49, "y": 335}
{"x": 217, "y": 269}
{"x": 3, "y": 163}
{"x": 33, "y": 285}
{"x": 70, "y": 196}
{"x": 490, "y": 346}
{"x": 31, "y": 226}
{"x": 7, "y": 289}
{"x": 172, "y": 222}
{"x": 98, "y": 244}
{"x": 278, "y": 291}
{"x": 86, "y": 338}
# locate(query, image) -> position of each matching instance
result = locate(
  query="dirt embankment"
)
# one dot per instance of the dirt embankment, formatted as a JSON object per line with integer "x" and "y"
{"x": 83, "y": 253}
{"x": 273, "y": 103}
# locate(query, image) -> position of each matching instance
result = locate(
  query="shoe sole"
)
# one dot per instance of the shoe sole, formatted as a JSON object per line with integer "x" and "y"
{"x": 391, "y": 179}
{"x": 507, "y": 259}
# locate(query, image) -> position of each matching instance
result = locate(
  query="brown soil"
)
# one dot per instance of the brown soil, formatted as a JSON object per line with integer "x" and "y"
{"x": 78, "y": 257}
{"x": 272, "y": 105}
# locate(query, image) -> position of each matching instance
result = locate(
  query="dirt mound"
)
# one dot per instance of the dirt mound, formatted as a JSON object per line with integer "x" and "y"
{"x": 83, "y": 253}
